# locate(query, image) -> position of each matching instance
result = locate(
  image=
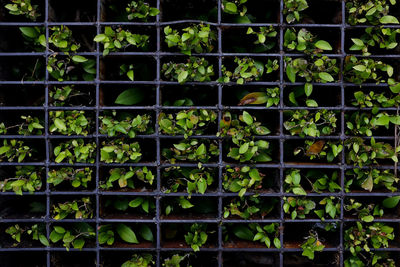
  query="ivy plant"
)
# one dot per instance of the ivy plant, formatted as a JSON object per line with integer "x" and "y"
{"x": 77, "y": 177}
{"x": 267, "y": 234}
{"x": 192, "y": 180}
{"x": 12, "y": 150}
{"x": 375, "y": 100}
{"x": 379, "y": 37}
{"x": 241, "y": 129}
{"x": 75, "y": 151}
{"x": 305, "y": 123}
{"x": 146, "y": 204}
{"x": 365, "y": 213}
{"x": 26, "y": 179}
{"x": 119, "y": 39}
{"x": 293, "y": 10}
{"x": 195, "y": 70}
{"x": 120, "y": 151}
{"x": 366, "y": 70}
{"x": 78, "y": 208}
{"x": 368, "y": 179}
{"x": 377, "y": 12}
{"x": 321, "y": 181}
{"x": 23, "y": 7}
{"x": 140, "y": 10}
{"x": 36, "y": 231}
{"x": 125, "y": 124}
{"x": 320, "y": 149}
{"x": 270, "y": 97}
{"x": 139, "y": 260}
{"x": 125, "y": 233}
{"x": 364, "y": 123}
{"x": 298, "y": 207}
{"x": 64, "y": 95}
{"x": 265, "y": 38}
{"x": 234, "y": 7}
{"x": 29, "y": 126}
{"x": 74, "y": 236}
{"x": 197, "y": 236}
{"x": 247, "y": 70}
{"x": 293, "y": 183}
{"x": 71, "y": 68}
{"x": 241, "y": 179}
{"x": 305, "y": 42}
{"x": 248, "y": 207}
{"x": 61, "y": 37}
{"x": 187, "y": 122}
{"x": 311, "y": 245}
{"x": 196, "y": 38}
{"x": 125, "y": 177}
{"x": 77, "y": 121}
{"x": 191, "y": 150}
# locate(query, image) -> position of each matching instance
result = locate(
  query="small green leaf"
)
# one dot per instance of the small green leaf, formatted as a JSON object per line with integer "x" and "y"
{"x": 231, "y": 7}
{"x": 321, "y": 44}
{"x": 247, "y": 118}
{"x": 308, "y": 88}
{"x": 31, "y": 32}
{"x": 389, "y": 20}
{"x": 326, "y": 77}
{"x": 130, "y": 97}
{"x": 126, "y": 233}
{"x": 79, "y": 59}
{"x": 146, "y": 233}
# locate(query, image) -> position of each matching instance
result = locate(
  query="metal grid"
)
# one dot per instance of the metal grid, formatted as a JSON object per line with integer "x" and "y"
{"x": 280, "y": 165}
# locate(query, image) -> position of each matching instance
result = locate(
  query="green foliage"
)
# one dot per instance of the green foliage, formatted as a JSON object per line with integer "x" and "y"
{"x": 75, "y": 236}
{"x": 293, "y": 183}
{"x": 75, "y": 151}
{"x": 120, "y": 151}
{"x": 23, "y": 7}
{"x": 365, "y": 213}
{"x": 376, "y": 258}
{"x": 79, "y": 208}
{"x": 234, "y": 7}
{"x": 71, "y": 68}
{"x": 125, "y": 177}
{"x": 298, "y": 207}
{"x": 368, "y": 179}
{"x": 120, "y": 39}
{"x": 131, "y": 96}
{"x": 318, "y": 69}
{"x": 248, "y": 207}
{"x": 30, "y": 126}
{"x": 69, "y": 122}
{"x": 383, "y": 38}
{"x": 198, "y": 38}
{"x": 76, "y": 177}
{"x": 375, "y": 100}
{"x": 180, "y": 202}
{"x": 193, "y": 180}
{"x": 187, "y": 122}
{"x": 361, "y": 154}
{"x": 139, "y": 260}
{"x": 197, "y": 236}
{"x": 241, "y": 129}
{"x": 320, "y": 181}
{"x": 59, "y": 96}
{"x": 147, "y": 204}
{"x": 255, "y": 232}
{"x": 320, "y": 149}
{"x": 128, "y": 70}
{"x": 305, "y": 123}
{"x": 247, "y": 70}
{"x": 266, "y": 38}
{"x": 304, "y": 41}
{"x": 195, "y": 70}
{"x": 61, "y": 37}
{"x": 125, "y": 233}
{"x": 361, "y": 237}
{"x": 311, "y": 245}
{"x": 293, "y": 10}
{"x": 240, "y": 179}
{"x": 175, "y": 260}
{"x": 376, "y": 12}
{"x": 125, "y": 124}
{"x": 191, "y": 150}
{"x": 14, "y": 150}
{"x": 366, "y": 70}
{"x": 328, "y": 206}
{"x": 140, "y": 10}
{"x": 364, "y": 123}
{"x": 271, "y": 96}
{"x": 26, "y": 179}
{"x": 37, "y": 231}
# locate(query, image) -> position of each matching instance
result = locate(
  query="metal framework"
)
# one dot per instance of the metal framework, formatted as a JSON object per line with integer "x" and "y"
{"x": 280, "y": 165}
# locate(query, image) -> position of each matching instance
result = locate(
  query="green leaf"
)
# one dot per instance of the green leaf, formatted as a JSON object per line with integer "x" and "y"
{"x": 79, "y": 59}
{"x": 291, "y": 74}
{"x": 360, "y": 67}
{"x": 391, "y": 202}
{"x": 308, "y": 88}
{"x": 321, "y": 44}
{"x": 311, "y": 103}
{"x": 247, "y": 118}
{"x": 243, "y": 148}
{"x": 182, "y": 76}
{"x": 60, "y": 124}
{"x": 326, "y": 76}
{"x": 130, "y": 97}
{"x": 395, "y": 89}
{"x": 243, "y": 232}
{"x": 230, "y": 7}
{"x": 126, "y": 234}
{"x": 357, "y": 41}
{"x": 29, "y": 31}
{"x": 100, "y": 37}
{"x": 202, "y": 185}
{"x": 130, "y": 75}
{"x": 389, "y": 20}
{"x": 383, "y": 120}
{"x": 146, "y": 233}
{"x": 368, "y": 218}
